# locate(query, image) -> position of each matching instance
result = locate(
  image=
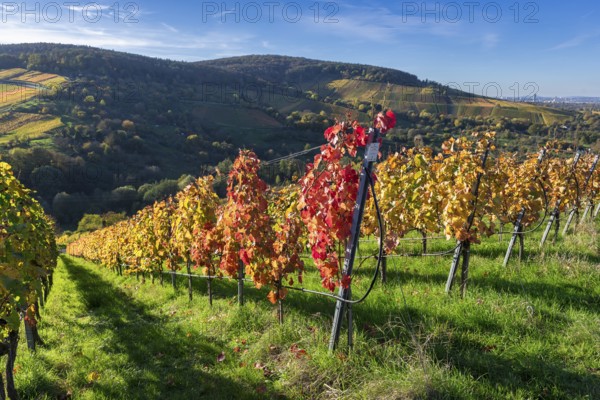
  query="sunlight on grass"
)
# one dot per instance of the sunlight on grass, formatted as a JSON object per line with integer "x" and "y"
{"x": 528, "y": 331}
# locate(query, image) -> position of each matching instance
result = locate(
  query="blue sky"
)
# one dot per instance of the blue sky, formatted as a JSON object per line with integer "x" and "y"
{"x": 551, "y": 48}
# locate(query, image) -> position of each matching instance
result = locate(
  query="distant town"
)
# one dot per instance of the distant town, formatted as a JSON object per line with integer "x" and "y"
{"x": 555, "y": 100}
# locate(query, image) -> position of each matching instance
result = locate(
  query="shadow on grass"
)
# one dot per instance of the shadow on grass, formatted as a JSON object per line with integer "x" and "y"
{"x": 470, "y": 349}
{"x": 532, "y": 370}
{"x": 563, "y": 294}
{"x": 303, "y": 303}
{"x": 538, "y": 372}
{"x": 172, "y": 366}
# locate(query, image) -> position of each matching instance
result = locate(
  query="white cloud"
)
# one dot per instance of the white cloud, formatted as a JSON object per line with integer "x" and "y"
{"x": 169, "y": 27}
{"x": 490, "y": 40}
{"x": 144, "y": 37}
{"x": 576, "y": 41}
{"x": 380, "y": 24}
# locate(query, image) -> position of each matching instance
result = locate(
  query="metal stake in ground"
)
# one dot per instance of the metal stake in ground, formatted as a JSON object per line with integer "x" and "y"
{"x": 464, "y": 274}
{"x": 29, "y": 335}
{"x": 189, "y": 271}
{"x": 241, "y": 284}
{"x": 371, "y": 152}
{"x": 589, "y": 207}
{"x": 587, "y": 182}
{"x": 209, "y": 288}
{"x": 575, "y": 211}
{"x": 454, "y": 266}
{"x": 464, "y": 246}
{"x": 518, "y": 229}
{"x": 572, "y": 214}
{"x": 513, "y": 239}
{"x": 555, "y": 216}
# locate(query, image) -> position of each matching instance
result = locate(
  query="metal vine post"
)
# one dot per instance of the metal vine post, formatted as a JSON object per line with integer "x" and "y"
{"x": 587, "y": 182}
{"x": 555, "y": 216}
{"x": 463, "y": 248}
{"x": 518, "y": 226}
{"x": 371, "y": 152}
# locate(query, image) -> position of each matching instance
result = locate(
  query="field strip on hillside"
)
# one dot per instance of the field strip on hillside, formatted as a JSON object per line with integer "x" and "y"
{"x": 10, "y": 73}
{"x": 14, "y": 121}
{"x": 32, "y": 130}
{"x": 14, "y": 94}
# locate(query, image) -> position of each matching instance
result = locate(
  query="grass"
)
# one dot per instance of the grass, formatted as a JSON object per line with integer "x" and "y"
{"x": 531, "y": 330}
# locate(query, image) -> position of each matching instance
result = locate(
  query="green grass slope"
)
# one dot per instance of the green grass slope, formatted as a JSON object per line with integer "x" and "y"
{"x": 528, "y": 331}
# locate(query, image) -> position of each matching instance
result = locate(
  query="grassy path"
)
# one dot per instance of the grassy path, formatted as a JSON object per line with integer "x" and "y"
{"x": 531, "y": 330}
{"x": 104, "y": 344}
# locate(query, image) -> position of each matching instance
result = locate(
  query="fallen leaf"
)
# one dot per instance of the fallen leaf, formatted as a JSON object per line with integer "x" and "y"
{"x": 300, "y": 353}
{"x": 259, "y": 365}
{"x": 93, "y": 376}
{"x": 487, "y": 349}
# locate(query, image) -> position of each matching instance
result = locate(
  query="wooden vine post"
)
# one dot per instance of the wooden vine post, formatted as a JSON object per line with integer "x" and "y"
{"x": 463, "y": 248}
{"x": 32, "y": 335}
{"x": 518, "y": 226}
{"x": 279, "y": 304}
{"x": 173, "y": 281}
{"x": 384, "y": 261}
{"x": 209, "y": 288}
{"x": 555, "y": 216}
{"x": 30, "y": 338}
{"x": 189, "y": 273}
{"x": 241, "y": 274}
{"x": 371, "y": 152}
{"x": 12, "y": 342}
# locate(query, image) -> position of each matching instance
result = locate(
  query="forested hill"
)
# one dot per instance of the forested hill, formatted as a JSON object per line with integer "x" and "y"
{"x": 95, "y": 130}
{"x": 274, "y": 68}
{"x": 84, "y": 61}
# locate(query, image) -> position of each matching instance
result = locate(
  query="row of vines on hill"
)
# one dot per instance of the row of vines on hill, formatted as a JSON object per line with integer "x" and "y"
{"x": 432, "y": 193}
{"x": 255, "y": 226}
{"x": 267, "y": 229}
{"x": 28, "y": 256}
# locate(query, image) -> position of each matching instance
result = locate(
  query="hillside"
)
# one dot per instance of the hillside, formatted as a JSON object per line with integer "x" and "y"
{"x": 94, "y": 130}
{"x": 526, "y": 331}
{"x": 353, "y": 85}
